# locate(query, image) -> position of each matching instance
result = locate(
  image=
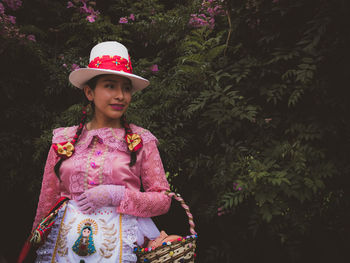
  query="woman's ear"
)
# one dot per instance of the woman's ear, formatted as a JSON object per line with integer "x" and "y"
{"x": 89, "y": 93}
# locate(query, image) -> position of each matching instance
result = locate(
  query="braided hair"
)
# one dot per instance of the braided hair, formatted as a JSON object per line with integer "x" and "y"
{"x": 74, "y": 141}
{"x": 128, "y": 131}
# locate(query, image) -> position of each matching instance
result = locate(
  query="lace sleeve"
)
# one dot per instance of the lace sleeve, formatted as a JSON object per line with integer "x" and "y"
{"x": 153, "y": 202}
{"x": 49, "y": 193}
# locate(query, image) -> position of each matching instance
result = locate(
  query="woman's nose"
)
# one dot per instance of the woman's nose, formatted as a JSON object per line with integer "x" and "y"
{"x": 119, "y": 93}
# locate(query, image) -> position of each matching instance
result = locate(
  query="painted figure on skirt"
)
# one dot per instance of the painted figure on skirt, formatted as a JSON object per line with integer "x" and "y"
{"x": 84, "y": 245}
{"x": 99, "y": 167}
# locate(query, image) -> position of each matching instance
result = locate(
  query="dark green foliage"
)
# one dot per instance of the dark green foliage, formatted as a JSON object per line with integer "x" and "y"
{"x": 251, "y": 116}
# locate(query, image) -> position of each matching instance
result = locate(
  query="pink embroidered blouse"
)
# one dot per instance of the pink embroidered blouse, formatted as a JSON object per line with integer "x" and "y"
{"x": 101, "y": 157}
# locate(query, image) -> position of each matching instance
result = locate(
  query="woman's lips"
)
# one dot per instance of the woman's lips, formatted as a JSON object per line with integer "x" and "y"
{"x": 117, "y": 106}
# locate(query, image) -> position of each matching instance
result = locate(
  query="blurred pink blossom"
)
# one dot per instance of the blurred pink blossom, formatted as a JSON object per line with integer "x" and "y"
{"x": 2, "y": 9}
{"x": 198, "y": 20}
{"x": 13, "y": 4}
{"x": 206, "y": 14}
{"x": 75, "y": 67}
{"x": 70, "y": 4}
{"x": 84, "y": 8}
{"x": 267, "y": 120}
{"x": 12, "y": 19}
{"x": 132, "y": 17}
{"x": 236, "y": 187}
{"x": 91, "y": 18}
{"x": 31, "y": 38}
{"x": 222, "y": 211}
{"x": 154, "y": 68}
{"x": 64, "y": 65}
{"x": 123, "y": 20}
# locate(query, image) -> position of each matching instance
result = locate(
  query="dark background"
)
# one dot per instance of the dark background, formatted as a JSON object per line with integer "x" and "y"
{"x": 250, "y": 104}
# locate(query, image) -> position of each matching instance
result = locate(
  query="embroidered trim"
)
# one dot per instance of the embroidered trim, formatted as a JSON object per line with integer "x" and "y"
{"x": 100, "y": 171}
{"x": 65, "y": 134}
{"x": 120, "y": 238}
{"x": 115, "y": 136}
{"x": 62, "y": 238}
{"x": 59, "y": 233}
{"x": 88, "y": 164}
{"x": 109, "y": 239}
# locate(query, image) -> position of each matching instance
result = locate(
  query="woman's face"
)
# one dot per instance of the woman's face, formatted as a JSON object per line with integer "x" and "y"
{"x": 111, "y": 96}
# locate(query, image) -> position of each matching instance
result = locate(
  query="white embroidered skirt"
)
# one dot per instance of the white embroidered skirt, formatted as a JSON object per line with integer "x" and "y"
{"x": 103, "y": 236}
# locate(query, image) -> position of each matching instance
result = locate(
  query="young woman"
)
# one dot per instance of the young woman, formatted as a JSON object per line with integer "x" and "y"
{"x": 100, "y": 166}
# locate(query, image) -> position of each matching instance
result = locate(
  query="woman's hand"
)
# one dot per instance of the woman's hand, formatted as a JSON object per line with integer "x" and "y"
{"x": 99, "y": 196}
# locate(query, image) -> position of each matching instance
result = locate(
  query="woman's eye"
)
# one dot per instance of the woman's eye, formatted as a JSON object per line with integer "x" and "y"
{"x": 127, "y": 88}
{"x": 110, "y": 86}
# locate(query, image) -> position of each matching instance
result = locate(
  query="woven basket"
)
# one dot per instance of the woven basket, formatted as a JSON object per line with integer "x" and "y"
{"x": 180, "y": 251}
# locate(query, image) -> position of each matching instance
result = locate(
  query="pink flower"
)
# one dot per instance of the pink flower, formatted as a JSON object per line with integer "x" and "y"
{"x": 84, "y": 9}
{"x": 70, "y": 4}
{"x": 31, "y": 38}
{"x": 75, "y": 67}
{"x": 267, "y": 120}
{"x": 12, "y": 19}
{"x": 201, "y": 20}
{"x": 236, "y": 187}
{"x": 132, "y": 17}
{"x": 211, "y": 11}
{"x": 2, "y": 9}
{"x": 13, "y": 4}
{"x": 123, "y": 20}
{"x": 64, "y": 65}
{"x": 91, "y": 18}
{"x": 154, "y": 68}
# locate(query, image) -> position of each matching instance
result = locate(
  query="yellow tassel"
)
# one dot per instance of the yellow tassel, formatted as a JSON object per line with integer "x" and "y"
{"x": 36, "y": 238}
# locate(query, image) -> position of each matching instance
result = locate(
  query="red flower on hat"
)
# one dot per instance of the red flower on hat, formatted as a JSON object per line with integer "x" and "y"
{"x": 111, "y": 62}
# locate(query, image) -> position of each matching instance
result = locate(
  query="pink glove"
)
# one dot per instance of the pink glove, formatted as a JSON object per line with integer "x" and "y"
{"x": 99, "y": 196}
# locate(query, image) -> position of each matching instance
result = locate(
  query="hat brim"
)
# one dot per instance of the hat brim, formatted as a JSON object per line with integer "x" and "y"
{"x": 80, "y": 76}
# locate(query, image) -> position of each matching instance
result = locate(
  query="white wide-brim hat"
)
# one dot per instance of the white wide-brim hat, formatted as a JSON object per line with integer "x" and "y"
{"x": 109, "y": 57}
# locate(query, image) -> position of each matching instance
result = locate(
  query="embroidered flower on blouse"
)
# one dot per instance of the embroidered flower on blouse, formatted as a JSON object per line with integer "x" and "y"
{"x": 64, "y": 149}
{"x": 134, "y": 141}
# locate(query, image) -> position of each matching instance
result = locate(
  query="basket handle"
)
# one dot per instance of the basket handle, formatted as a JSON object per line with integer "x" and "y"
{"x": 177, "y": 197}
